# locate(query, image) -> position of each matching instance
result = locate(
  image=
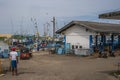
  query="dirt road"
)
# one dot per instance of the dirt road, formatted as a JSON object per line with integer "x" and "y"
{"x": 60, "y": 67}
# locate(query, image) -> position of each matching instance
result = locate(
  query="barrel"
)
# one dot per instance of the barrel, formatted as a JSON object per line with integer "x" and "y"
{"x": 60, "y": 51}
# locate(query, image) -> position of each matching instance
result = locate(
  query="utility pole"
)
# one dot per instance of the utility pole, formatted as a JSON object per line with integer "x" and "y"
{"x": 36, "y": 27}
{"x": 48, "y": 26}
{"x": 53, "y": 21}
{"x": 44, "y": 30}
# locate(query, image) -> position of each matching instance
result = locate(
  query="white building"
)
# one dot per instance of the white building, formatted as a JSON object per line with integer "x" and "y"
{"x": 78, "y": 32}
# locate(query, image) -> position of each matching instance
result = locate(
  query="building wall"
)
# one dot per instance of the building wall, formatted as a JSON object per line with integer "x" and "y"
{"x": 3, "y": 46}
{"x": 6, "y": 35}
{"x": 78, "y": 35}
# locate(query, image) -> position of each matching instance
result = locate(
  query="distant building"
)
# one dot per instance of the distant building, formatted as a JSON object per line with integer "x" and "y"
{"x": 6, "y": 35}
{"x": 110, "y": 15}
{"x": 3, "y": 46}
{"x": 84, "y": 34}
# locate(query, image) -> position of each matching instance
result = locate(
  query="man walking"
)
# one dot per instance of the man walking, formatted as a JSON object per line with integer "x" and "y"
{"x": 14, "y": 61}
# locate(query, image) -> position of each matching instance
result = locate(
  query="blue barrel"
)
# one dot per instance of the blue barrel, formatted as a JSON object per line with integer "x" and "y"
{"x": 60, "y": 51}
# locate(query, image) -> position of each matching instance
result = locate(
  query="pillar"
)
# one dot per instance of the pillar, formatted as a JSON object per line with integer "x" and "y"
{"x": 64, "y": 43}
{"x": 112, "y": 42}
{"x": 112, "y": 45}
{"x": 96, "y": 40}
{"x": 90, "y": 41}
{"x": 90, "y": 44}
{"x": 102, "y": 43}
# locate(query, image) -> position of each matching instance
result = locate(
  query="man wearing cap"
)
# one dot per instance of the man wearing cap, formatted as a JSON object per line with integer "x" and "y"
{"x": 14, "y": 60}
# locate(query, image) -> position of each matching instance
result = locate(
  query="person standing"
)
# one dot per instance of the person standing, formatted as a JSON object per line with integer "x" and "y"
{"x": 14, "y": 61}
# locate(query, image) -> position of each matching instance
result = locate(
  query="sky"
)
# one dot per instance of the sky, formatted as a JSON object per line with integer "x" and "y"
{"x": 20, "y": 16}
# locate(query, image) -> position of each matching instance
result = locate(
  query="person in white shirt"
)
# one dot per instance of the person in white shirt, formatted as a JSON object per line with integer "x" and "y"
{"x": 14, "y": 60}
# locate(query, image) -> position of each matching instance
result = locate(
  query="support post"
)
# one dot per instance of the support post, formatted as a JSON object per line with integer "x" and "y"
{"x": 64, "y": 43}
{"x": 96, "y": 40}
{"x": 102, "y": 43}
{"x": 112, "y": 44}
{"x": 104, "y": 40}
{"x": 102, "y": 46}
{"x": 90, "y": 44}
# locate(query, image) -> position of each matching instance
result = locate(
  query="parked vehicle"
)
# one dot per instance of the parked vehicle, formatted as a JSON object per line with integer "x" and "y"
{"x": 25, "y": 53}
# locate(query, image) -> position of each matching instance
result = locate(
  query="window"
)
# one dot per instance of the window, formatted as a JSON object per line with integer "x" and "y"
{"x": 80, "y": 47}
{"x": 72, "y": 46}
{"x": 76, "y": 46}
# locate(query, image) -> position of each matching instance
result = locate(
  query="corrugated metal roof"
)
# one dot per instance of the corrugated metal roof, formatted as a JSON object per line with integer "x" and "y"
{"x": 94, "y": 26}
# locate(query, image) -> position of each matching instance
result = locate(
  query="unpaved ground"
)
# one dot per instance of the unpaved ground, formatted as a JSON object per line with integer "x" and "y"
{"x": 60, "y": 67}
